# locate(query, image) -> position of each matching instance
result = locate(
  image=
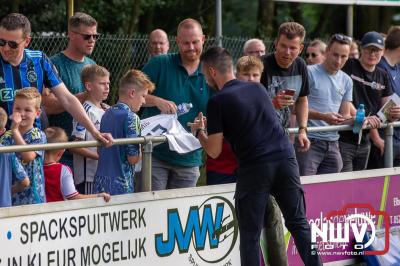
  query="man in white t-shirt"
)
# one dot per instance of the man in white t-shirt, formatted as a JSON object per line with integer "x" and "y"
{"x": 96, "y": 80}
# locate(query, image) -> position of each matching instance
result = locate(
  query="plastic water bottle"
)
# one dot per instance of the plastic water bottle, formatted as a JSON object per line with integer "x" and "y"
{"x": 183, "y": 108}
{"x": 360, "y": 115}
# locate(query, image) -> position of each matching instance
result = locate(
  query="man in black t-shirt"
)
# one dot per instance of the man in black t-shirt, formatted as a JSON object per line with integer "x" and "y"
{"x": 267, "y": 163}
{"x": 284, "y": 70}
{"x": 372, "y": 88}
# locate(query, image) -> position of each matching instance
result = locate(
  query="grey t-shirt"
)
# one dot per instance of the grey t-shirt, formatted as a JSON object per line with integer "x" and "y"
{"x": 327, "y": 92}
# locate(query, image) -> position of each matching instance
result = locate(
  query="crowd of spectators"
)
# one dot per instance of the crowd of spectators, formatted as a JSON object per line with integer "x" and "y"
{"x": 58, "y": 99}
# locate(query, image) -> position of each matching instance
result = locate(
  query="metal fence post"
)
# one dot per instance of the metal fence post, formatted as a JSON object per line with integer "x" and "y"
{"x": 146, "y": 166}
{"x": 218, "y": 22}
{"x": 389, "y": 146}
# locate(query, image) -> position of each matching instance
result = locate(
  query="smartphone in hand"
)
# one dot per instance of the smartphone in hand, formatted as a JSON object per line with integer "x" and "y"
{"x": 289, "y": 92}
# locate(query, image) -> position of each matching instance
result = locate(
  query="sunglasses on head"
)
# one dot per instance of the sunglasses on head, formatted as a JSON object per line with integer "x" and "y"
{"x": 342, "y": 38}
{"x": 87, "y": 37}
{"x": 313, "y": 55}
{"x": 11, "y": 44}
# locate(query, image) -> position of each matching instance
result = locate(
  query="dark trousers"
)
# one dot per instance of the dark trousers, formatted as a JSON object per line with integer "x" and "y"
{"x": 276, "y": 249}
{"x": 355, "y": 157}
{"x": 283, "y": 182}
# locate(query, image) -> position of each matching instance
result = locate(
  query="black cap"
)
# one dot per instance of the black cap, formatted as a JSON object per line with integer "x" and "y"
{"x": 372, "y": 38}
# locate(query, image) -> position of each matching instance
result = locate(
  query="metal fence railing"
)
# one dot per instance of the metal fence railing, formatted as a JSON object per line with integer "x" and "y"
{"x": 148, "y": 141}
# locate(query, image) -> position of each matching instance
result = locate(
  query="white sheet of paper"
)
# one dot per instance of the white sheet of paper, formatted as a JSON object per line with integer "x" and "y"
{"x": 383, "y": 113}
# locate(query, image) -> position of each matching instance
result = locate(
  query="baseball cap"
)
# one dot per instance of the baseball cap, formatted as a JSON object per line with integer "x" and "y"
{"x": 372, "y": 38}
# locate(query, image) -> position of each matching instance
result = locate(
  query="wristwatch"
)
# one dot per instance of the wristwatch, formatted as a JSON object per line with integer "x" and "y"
{"x": 304, "y": 128}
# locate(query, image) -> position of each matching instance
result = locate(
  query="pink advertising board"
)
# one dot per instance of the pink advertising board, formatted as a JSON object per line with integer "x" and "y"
{"x": 380, "y": 192}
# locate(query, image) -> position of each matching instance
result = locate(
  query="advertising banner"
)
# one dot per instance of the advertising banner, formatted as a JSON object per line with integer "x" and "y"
{"x": 201, "y": 230}
{"x": 371, "y": 200}
{"x": 195, "y": 226}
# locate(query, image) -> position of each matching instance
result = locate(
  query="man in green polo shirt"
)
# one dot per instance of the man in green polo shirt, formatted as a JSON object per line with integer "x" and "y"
{"x": 178, "y": 80}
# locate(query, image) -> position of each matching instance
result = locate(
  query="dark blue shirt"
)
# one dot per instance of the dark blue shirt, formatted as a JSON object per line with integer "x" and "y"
{"x": 394, "y": 77}
{"x": 35, "y": 70}
{"x": 244, "y": 113}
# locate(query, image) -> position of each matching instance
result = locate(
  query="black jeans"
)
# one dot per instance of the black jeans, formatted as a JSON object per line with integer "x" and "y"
{"x": 282, "y": 180}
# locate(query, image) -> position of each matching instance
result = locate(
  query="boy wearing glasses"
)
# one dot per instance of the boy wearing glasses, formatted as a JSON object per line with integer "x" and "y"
{"x": 329, "y": 103}
{"x": 371, "y": 87}
{"x": 21, "y": 68}
{"x": 82, "y": 36}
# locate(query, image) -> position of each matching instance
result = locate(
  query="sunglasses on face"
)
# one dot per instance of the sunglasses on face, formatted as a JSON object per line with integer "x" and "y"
{"x": 313, "y": 55}
{"x": 342, "y": 38}
{"x": 11, "y": 44}
{"x": 87, "y": 37}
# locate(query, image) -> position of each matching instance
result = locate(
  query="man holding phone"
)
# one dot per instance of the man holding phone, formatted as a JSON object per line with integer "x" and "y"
{"x": 286, "y": 79}
{"x": 329, "y": 104}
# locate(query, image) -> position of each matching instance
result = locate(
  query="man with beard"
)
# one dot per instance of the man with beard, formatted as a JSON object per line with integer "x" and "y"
{"x": 266, "y": 158}
{"x": 285, "y": 71}
{"x": 178, "y": 80}
{"x": 82, "y": 36}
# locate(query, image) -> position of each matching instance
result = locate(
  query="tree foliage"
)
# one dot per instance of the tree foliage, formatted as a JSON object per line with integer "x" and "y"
{"x": 259, "y": 18}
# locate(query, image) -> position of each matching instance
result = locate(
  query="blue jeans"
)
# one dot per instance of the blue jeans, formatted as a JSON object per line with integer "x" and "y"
{"x": 323, "y": 157}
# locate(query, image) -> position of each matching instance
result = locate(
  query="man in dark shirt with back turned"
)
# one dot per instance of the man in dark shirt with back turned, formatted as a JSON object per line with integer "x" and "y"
{"x": 267, "y": 163}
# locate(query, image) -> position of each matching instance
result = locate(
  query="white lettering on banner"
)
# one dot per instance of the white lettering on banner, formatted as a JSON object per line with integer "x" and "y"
{"x": 87, "y": 255}
{"x": 331, "y": 231}
{"x": 68, "y": 227}
{"x": 395, "y": 219}
{"x": 396, "y": 201}
{"x": 122, "y": 234}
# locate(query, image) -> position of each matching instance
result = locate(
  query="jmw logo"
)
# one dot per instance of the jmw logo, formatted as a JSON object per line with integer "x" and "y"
{"x": 193, "y": 228}
{"x": 217, "y": 224}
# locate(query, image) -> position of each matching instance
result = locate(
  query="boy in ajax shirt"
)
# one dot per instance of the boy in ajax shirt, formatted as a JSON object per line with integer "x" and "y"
{"x": 96, "y": 80}
{"x": 115, "y": 170}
